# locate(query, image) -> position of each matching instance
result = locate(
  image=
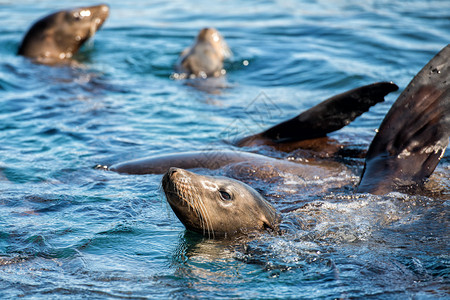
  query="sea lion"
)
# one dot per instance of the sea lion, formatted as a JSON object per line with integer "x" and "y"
{"x": 57, "y": 37}
{"x": 414, "y": 134}
{"x": 409, "y": 144}
{"x": 217, "y": 206}
{"x": 204, "y": 58}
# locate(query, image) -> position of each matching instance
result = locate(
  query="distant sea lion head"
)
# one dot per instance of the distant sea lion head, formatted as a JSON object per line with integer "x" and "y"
{"x": 60, "y": 35}
{"x": 213, "y": 37}
{"x": 205, "y": 57}
{"x": 217, "y": 206}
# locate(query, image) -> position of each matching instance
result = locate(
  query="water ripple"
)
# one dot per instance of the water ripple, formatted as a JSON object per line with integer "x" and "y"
{"x": 68, "y": 230}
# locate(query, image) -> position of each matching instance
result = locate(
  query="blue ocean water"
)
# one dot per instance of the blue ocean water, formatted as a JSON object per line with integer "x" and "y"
{"x": 68, "y": 230}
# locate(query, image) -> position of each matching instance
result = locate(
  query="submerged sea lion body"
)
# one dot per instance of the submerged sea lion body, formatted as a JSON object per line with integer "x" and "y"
{"x": 220, "y": 158}
{"x": 58, "y": 36}
{"x": 205, "y": 58}
{"x": 187, "y": 160}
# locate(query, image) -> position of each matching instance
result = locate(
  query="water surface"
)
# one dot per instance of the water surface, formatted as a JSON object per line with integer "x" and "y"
{"x": 70, "y": 231}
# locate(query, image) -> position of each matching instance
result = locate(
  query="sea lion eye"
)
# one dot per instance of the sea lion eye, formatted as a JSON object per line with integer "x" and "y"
{"x": 77, "y": 16}
{"x": 85, "y": 13}
{"x": 225, "y": 196}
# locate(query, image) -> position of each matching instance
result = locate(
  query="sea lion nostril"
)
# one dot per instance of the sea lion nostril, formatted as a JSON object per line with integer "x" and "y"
{"x": 172, "y": 171}
{"x": 105, "y": 7}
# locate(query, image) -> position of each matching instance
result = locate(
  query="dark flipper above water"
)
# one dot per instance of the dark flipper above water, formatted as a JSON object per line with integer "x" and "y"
{"x": 414, "y": 134}
{"x": 328, "y": 116}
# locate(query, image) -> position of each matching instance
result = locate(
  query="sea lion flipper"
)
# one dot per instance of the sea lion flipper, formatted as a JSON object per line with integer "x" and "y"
{"x": 328, "y": 116}
{"x": 414, "y": 134}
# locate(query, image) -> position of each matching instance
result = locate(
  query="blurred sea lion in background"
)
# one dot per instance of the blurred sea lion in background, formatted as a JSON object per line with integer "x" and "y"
{"x": 204, "y": 58}
{"x": 55, "y": 38}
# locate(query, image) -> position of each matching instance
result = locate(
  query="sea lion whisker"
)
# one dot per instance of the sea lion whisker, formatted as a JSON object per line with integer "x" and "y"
{"x": 207, "y": 217}
{"x": 191, "y": 204}
{"x": 201, "y": 210}
{"x": 202, "y": 213}
{"x": 190, "y": 197}
{"x": 161, "y": 190}
{"x": 92, "y": 29}
{"x": 179, "y": 190}
{"x": 209, "y": 225}
{"x": 203, "y": 217}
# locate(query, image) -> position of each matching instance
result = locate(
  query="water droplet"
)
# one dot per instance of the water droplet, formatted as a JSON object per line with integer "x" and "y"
{"x": 85, "y": 13}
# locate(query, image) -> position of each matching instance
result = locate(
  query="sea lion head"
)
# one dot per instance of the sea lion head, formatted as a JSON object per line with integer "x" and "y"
{"x": 58, "y": 36}
{"x": 217, "y": 206}
{"x": 205, "y": 57}
{"x": 214, "y": 38}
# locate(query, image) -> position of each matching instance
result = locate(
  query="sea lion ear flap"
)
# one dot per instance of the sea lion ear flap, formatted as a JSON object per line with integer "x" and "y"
{"x": 414, "y": 134}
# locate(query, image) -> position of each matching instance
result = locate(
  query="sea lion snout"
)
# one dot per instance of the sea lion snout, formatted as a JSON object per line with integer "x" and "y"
{"x": 177, "y": 187}
{"x": 176, "y": 176}
{"x": 100, "y": 13}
